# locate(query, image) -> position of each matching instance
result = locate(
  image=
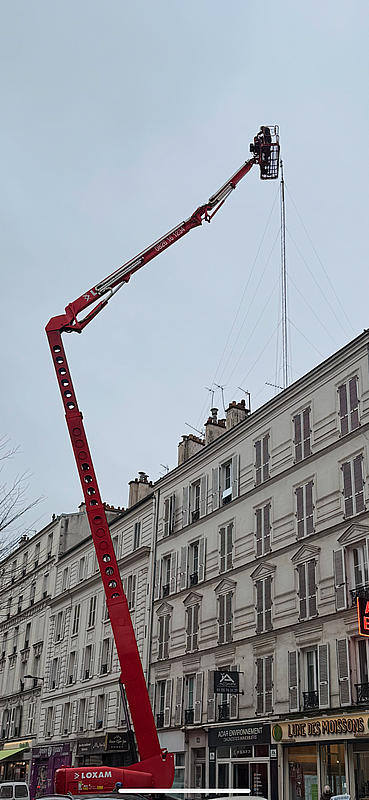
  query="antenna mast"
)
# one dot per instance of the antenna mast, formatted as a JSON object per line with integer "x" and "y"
{"x": 284, "y": 285}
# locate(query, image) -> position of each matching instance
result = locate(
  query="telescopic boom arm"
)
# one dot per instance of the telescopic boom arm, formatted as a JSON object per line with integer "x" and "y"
{"x": 156, "y": 766}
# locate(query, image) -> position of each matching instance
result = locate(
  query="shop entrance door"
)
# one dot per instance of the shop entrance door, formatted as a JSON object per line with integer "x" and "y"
{"x": 241, "y": 776}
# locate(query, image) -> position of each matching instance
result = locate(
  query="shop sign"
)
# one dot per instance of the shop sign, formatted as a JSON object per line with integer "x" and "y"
{"x": 226, "y": 682}
{"x": 23, "y": 745}
{"x": 89, "y": 746}
{"x": 116, "y": 742}
{"x": 51, "y": 750}
{"x": 323, "y": 728}
{"x": 362, "y": 604}
{"x": 251, "y": 732}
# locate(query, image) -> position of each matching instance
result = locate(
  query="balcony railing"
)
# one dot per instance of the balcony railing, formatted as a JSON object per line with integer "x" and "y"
{"x": 194, "y": 578}
{"x": 195, "y": 515}
{"x": 359, "y": 591}
{"x": 223, "y": 712}
{"x": 165, "y": 589}
{"x": 189, "y": 716}
{"x": 362, "y": 692}
{"x": 311, "y": 700}
{"x": 160, "y": 720}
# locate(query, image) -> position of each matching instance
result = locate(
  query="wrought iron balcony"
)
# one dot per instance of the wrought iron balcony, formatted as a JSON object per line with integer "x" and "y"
{"x": 165, "y": 589}
{"x": 311, "y": 700}
{"x": 359, "y": 591}
{"x": 160, "y": 720}
{"x": 189, "y": 716}
{"x": 194, "y": 578}
{"x": 195, "y": 515}
{"x": 362, "y": 692}
{"x": 223, "y": 712}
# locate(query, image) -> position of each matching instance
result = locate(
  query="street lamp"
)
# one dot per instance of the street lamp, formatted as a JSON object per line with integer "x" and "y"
{"x": 35, "y": 679}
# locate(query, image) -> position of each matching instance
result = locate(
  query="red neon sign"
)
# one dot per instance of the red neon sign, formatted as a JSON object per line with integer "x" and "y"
{"x": 362, "y": 604}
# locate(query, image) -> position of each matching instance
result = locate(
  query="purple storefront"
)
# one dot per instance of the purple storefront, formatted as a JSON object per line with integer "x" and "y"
{"x": 45, "y": 760}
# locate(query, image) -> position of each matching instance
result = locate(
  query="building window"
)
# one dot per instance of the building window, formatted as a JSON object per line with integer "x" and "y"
{"x": 160, "y": 704}
{"x": 24, "y": 565}
{"x": 76, "y": 616}
{"x": 66, "y": 719}
{"x": 179, "y": 771}
{"x": 92, "y": 612}
{"x": 50, "y": 721}
{"x": 137, "y": 535}
{"x": 316, "y": 678}
{"x": 302, "y": 431}
{"x": 165, "y": 575}
{"x": 106, "y": 655}
{"x": 30, "y": 718}
{"x": 348, "y": 406}
{"x": 54, "y": 673}
{"x": 100, "y": 711}
{"x": 65, "y": 579}
{"x": 362, "y": 688}
{"x": 130, "y": 591}
{"x": 82, "y": 569}
{"x": 264, "y": 685}
{"x": 192, "y": 628}
{"x": 190, "y": 707}
{"x": 116, "y": 546}
{"x": 88, "y": 662}
{"x": 163, "y": 636}
{"x": 59, "y": 626}
{"x": 4, "y": 645}
{"x": 81, "y": 714}
{"x": 264, "y": 605}
{"x": 15, "y": 639}
{"x": 169, "y": 510}
{"x": 72, "y": 667}
{"x": 262, "y": 523}
{"x": 353, "y": 486}
{"x": 192, "y": 564}
{"x": 307, "y": 589}
{"x": 32, "y": 594}
{"x": 49, "y": 545}
{"x": 262, "y": 460}
{"x": 27, "y": 635}
{"x": 304, "y": 510}
{"x": 45, "y": 585}
{"x": 37, "y": 555}
{"x": 20, "y": 603}
{"x": 9, "y": 607}
{"x": 225, "y": 603}
{"x": 195, "y": 501}
{"x": 226, "y": 547}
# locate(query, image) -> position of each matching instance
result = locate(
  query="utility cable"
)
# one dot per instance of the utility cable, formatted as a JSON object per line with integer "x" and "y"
{"x": 305, "y": 337}
{"x": 313, "y": 312}
{"x": 261, "y": 353}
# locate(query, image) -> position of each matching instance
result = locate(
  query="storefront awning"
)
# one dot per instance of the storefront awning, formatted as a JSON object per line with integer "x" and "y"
{"x": 10, "y": 753}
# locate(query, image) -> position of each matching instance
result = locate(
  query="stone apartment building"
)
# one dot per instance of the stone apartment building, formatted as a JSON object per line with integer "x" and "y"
{"x": 261, "y": 551}
{"x": 242, "y": 564}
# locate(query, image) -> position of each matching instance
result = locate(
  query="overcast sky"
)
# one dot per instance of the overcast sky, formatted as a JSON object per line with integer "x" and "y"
{"x": 118, "y": 120}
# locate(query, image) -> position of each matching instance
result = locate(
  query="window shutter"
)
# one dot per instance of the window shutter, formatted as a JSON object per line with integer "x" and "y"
{"x": 343, "y": 412}
{"x": 259, "y": 685}
{"x": 258, "y": 462}
{"x": 298, "y": 439}
{"x": 166, "y": 520}
{"x": 233, "y": 699}
{"x": 75, "y": 667}
{"x": 172, "y": 512}
{"x": 293, "y": 680}
{"x": 343, "y": 671}
{"x": 300, "y": 512}
{"x": 222, "y": 534}
{"x": 201, "y": 569}
{"x": 195, "y": 627}
{"x": 259, "y": 533}
{"x": 221, "y": 615}
{"x": 358, "y": 484}
{"x": 268, "y": 603}
{"x": 99, "y": 659}
{"x": 228, "y": 617}
{"x": 229, "y": 546}
{"x": 168, "y": 702}
{"x": 259, "y": 606}
{"x": 309, "y": 507}
{"x": 151, "y": 696}
{"x": 185, "y": 506}
{"x": 215, "y": 489}
{"x": 211, "y": 697}
{"x": 173, "y": 572}
{"x": 268, "y": 684}
{"x": 266, "y": 532}
{"x": 157, "y": 580}
{"x": 340, "y": 579}
{"x": 183, "y": 568}
{"x": 311, "y": 585}
{"x": 198, "y": 698}
{"x": 189, "y": 628}
{"x": 266, "y": 457}
{"x": 203, "y": 495}
{"x": 306, "y": 431}
{"x": 302, "y": 590}
{"x": 179, "y": 701}
{"x": 235, "y": 475}
{"x": 354, "y": 403}
{"x": 93, "y": 648}
{"x": 82, "y": 673}
{"x": 166, "y": 635}
{"x": 347, "y": 489}
{"x": 323, "y": 675}
{"x": 160, "y": 637}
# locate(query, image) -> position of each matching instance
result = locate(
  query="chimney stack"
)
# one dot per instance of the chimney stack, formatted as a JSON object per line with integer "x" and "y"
{"x": 214, "y": 427}
{"x": 188, "y": 447}
{"x": 236, "y": 413}
{"x": 139, "y": 488}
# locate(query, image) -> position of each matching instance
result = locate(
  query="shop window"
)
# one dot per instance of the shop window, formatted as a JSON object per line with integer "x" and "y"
{"x": 361, "y": 769}
{"x": 302, "y": 772}
{"x": 262, "y": 460}
{"x": 262, "y": 529}
{"x": 223, "y": 776}
{"x": 179, "y": 771}
{"x": 348, "y": 406}
{"x": 333, "y": 770}
{"x": 302, "y": 431}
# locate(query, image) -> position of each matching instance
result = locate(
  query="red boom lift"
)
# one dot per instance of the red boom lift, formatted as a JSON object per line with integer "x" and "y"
{"x": 155, "y": 768}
